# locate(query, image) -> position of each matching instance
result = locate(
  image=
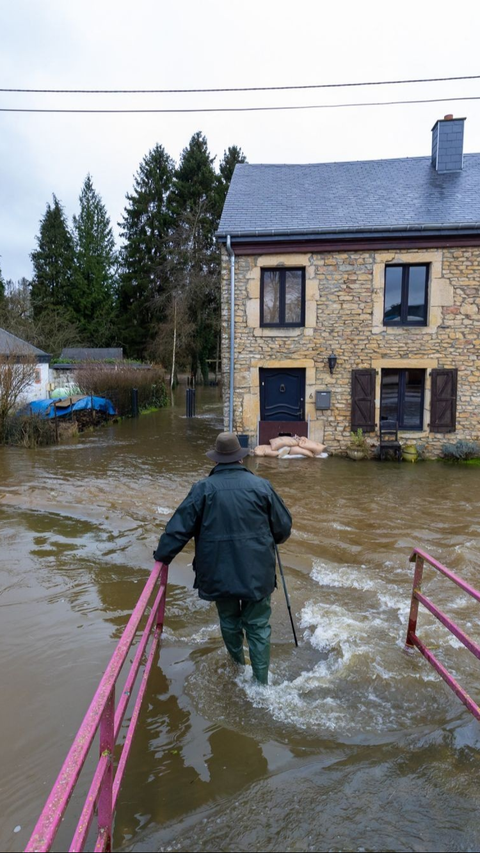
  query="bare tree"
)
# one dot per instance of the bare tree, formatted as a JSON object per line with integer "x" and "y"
{"x": 188, "y": 300}
{"x": 51, "y": 331}
{"x": 17, "y": 372}
{"x": 171, "y": 344}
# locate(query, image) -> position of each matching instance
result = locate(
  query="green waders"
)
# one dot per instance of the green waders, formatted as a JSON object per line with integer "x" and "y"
{"x": 253, "y": 617}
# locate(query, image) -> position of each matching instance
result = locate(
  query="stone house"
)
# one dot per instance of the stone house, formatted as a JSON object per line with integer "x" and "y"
{"x": 356, "y": 292}
{"x": 12, "y": 345}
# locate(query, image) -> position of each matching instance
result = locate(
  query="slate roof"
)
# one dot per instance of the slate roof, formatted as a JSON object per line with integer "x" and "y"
{"x": 11, "y": 344}
{"x": 369, "y": 195}
{"x": 92, "y": 353}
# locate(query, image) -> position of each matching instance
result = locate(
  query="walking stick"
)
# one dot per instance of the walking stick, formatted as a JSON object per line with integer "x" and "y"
{"x": 286, "y": 595}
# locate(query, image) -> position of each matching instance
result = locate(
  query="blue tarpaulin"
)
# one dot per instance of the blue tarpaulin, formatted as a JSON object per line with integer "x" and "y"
{"x": 46, "y": 408}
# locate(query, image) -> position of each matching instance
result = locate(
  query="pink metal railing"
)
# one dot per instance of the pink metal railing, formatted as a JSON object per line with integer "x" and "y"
{"x": 420, "y": 557}
{"x": 103, "y": 793}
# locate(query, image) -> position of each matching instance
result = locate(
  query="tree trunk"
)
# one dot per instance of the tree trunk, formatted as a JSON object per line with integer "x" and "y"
{"x": 204, "y": 368}
{"x": 217, "y": 359}
{"x": 172, "y": 377}
{"x": 194, "y": 369}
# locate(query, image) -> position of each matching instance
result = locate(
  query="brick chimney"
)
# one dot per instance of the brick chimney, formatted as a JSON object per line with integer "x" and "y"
{"x": 447, "y": 144}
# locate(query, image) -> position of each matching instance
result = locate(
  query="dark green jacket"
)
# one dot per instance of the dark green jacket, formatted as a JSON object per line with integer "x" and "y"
{"x": 236, "y": 519}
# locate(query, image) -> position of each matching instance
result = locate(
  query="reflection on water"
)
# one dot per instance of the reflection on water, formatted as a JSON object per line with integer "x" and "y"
{"x": 351, "y": 738}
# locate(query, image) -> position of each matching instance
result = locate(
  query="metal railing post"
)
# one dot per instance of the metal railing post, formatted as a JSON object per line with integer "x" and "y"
{"x": 413, "y": 641}
{"x": 412, "y": 619}
{"x": 103, "y": 717}
{"x": 161, "y": 608}
{"x": 56, "y": 420}
{"x": 135, "y": 402}
{"x": 105, "y": 801}
{"x": 190, "y": 403}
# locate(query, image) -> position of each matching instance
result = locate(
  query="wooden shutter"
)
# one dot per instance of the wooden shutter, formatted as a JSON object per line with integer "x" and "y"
{"x": 363, "y": 400}
{"x": 443, "y": 411}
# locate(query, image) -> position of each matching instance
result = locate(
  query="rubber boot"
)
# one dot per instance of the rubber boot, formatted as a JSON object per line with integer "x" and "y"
{"x": 255, "y": 620}
{"x": 230, "y": 615}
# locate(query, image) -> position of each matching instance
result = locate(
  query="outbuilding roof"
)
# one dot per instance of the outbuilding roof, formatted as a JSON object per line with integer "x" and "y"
{"x": 93, "y": 353}
{"x": 11, "y": 344}
{"x": 351, "y": 197}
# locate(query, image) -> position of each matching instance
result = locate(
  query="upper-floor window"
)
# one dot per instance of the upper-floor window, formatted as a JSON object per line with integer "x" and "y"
{"x": 406, "y": 290}
{"x": 282, "y": 297}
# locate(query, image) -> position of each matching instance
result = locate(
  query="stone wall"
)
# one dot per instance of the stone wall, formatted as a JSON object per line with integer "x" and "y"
{"x": 344, "y": 314}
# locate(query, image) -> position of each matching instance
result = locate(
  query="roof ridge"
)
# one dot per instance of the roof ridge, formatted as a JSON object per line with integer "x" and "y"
{"x": 346, "y": 162}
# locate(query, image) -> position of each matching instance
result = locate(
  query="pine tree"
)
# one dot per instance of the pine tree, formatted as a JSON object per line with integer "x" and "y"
{"x": 53, "y": 263}
{"x": 194, "y": 192}
{"x": 231, "y": 157}
{"x": 146, "y": 226}
{"x": 195, "y": 206}
{"x": 2, "y": 288}
{"x": 93, "y": 284}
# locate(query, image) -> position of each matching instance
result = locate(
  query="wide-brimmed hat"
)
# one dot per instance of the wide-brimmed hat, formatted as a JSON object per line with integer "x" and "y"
{"x": 227, "y": 449}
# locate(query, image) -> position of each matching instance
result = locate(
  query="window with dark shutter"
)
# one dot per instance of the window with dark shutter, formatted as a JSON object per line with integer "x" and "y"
{"x": 363, "y": 400}
{"x": 443, "y": 412}
{"x": 402, "y": 397}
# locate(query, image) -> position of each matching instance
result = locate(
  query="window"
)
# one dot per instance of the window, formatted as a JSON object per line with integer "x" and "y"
{"x": 406, "y": 288}
{"x": 402, "y": 397}
{"x": 282, "y": 297}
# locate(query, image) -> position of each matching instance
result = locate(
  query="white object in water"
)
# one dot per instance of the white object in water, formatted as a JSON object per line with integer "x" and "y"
{"x": 296, "y": 456}
{"x": 301, "y": 456}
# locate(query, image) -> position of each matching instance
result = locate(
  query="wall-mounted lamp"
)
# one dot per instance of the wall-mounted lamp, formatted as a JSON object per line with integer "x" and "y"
{"x": 332, "y": 361}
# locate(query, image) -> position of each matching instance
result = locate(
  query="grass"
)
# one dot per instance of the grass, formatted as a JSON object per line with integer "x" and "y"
{"x": 474, "y": 463}
{"x": 149, "y": 409}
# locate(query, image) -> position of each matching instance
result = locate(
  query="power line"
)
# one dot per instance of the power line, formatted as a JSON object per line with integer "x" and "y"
{"x": 244, "y": 109}
{"x": 238, "y": 88}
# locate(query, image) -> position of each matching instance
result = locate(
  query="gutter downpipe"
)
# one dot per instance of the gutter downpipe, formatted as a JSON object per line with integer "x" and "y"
{"x": 231, "y": 255}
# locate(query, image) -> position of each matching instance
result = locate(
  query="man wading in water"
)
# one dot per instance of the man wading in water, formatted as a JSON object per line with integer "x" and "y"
{"x": 237, "y": 519}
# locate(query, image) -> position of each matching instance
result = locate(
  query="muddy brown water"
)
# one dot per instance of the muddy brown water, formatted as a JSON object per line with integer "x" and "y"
{"x": 353, "y": 746}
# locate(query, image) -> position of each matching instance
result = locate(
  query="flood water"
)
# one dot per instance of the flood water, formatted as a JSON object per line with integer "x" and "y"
{"x": 353, "y": 745}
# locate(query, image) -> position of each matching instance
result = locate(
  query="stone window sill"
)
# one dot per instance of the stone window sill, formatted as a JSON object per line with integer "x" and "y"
{"x": 294, "y": 332}
{"x": 405, "y": 330}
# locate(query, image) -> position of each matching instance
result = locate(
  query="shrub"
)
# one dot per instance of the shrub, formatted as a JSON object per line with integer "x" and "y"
{"x": 461, "y": 450}
{"x": 116, "y": 383}
{"x": 358, "y": 440}
{"x": 29, "y": 431}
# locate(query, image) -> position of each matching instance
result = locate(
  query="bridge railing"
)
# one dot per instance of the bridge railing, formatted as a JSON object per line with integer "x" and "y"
{"x": 102, "y": 715}
{"x": 420, "y": 557}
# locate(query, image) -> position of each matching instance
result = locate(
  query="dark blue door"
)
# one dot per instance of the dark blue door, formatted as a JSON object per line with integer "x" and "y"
{"x": 282, "y": 394}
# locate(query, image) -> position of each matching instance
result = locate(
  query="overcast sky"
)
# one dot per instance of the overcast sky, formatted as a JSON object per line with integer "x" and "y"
{"x": 191, "y": 44}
